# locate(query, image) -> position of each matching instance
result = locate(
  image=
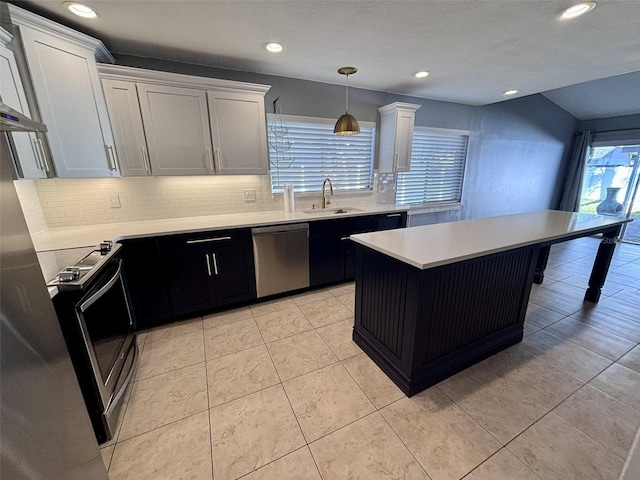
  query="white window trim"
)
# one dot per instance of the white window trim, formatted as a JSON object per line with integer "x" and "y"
{"x": 444, "y": 206}
{"x": 321, "y": 121}
{"x": 446, "y": 131}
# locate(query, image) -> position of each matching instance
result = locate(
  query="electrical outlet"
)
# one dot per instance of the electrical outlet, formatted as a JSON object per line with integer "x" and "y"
{"x": 114, "y": 201}
{"x": 249, "y": 195}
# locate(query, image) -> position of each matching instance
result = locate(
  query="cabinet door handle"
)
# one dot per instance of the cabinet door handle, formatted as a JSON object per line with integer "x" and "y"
{"x": 111, "y": 158}
{"x": 145, "y": 159}
{"x": 394, "y": 215}
{"x": 216, "y": 160}
{"x": 210, "y": 158}
{"x": 40, "y": 165}
{"x": 43, "y": 154}
{"x": 344, "y": 238}
{"x": 115, "y": 157}
{"x": 396, "y": 156}
{"x": 215, "y": 263}
{"x": 206, "y": 255}
{"x": 205, "y": 240}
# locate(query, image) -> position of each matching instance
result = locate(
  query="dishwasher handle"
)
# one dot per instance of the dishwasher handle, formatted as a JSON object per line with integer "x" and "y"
{"x": 280, "y": 229}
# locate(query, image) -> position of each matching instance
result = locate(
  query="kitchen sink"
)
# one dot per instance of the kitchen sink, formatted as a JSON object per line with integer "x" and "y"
{"x": 332, "y": 211}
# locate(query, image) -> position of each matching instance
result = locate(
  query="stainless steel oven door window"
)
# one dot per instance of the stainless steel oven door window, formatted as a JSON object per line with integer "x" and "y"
{"x": 106, "y": 324}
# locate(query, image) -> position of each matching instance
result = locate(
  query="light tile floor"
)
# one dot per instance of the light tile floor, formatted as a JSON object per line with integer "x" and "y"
{"x": 280, "y": 391}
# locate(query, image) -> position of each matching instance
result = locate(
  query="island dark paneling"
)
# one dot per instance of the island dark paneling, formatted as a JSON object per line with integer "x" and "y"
{"x": 421, "y": 326}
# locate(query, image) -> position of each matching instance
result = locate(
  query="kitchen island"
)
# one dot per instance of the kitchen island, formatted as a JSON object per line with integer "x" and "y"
{"x": 433, "y": 300}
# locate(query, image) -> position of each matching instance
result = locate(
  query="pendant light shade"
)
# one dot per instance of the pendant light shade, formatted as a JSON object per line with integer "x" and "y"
{"x": 347, "y": 124}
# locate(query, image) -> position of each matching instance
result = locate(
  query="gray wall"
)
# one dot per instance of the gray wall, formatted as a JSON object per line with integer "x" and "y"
{"x": 518, "y": 151}
{"x": 517, "y": 148}
{"x": 612, "y": 123}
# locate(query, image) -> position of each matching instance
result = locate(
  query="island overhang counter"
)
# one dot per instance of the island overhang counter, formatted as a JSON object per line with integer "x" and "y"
{"x": 433, "y": 300}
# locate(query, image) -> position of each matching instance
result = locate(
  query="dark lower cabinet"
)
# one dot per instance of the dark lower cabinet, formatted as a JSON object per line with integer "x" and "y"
{"x": 146, "y": 281}
{"x": 235, "y": 278}
{"x": 174, "y": 275}
{"x": 389, "y": 221}
{"x": 209, "y": 269}
{"x": 326, "y": 259}
{"x": 190, "y": 281}
{"x": 332, "y": 254}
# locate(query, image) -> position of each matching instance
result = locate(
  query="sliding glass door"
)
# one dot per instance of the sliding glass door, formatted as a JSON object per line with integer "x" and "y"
{"x": 612, "y": 176}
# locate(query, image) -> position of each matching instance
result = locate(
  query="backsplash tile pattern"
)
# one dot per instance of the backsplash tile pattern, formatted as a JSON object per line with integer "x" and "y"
{"x": 30, "y": 203}
{"x": 66, "y": 202}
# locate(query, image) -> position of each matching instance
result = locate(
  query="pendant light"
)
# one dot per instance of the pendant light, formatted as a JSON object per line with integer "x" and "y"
{"x": 347, "y": 124}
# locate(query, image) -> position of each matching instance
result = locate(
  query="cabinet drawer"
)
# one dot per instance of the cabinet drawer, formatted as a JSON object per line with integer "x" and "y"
{"x": 389, "y": 221}
{"x": 216, "y": 239}
{"x": 346, "y": 226}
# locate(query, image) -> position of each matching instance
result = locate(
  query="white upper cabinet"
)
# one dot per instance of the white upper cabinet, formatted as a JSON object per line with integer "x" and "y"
{"x": 127, "y": 127}
{"x": 239, "y": 133}
{"x": 65, "y": 82}
{"x": 176, "y": 124}
{"x": 396, "y": 136}
{"x": 26, "y": 146}
{"x": 189, "y": 125}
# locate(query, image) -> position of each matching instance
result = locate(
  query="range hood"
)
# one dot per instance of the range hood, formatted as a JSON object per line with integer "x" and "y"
{"x": 13, "y": 121}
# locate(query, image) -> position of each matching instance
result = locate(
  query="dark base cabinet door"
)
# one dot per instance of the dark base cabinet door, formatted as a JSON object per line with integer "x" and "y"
{"x": 190, "y": 283}
{"x": 349, "y": 260}
{"x": 146, "y": 281}
{"x": 209, "y": 269}
{"x": 234, "y": 275}
{"x": 326, "y": 259}
{"x": 332, "y": 254}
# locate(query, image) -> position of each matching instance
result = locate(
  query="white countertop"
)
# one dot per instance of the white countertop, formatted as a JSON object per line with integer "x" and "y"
{"x": 92, "y": 235}
{"x": 433, "y": 245}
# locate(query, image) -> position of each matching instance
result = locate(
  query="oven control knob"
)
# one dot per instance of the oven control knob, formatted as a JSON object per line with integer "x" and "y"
{"x": 69, "y": 274}
{"x": 105, "y": 246}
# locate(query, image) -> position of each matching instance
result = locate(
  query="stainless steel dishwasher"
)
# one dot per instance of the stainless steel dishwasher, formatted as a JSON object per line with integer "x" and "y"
{"x": 281, "y": 255}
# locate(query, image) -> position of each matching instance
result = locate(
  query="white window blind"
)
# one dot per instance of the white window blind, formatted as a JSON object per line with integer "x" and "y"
{"x": 438, "y": 160}
{"x": 315, "y": 153}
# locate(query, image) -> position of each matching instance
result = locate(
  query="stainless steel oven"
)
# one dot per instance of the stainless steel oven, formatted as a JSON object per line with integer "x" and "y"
{"x": 94, "y": 313}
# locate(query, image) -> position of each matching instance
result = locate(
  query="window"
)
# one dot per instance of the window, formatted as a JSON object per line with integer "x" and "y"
{"x": 438, "y": 159}
{"x": 611, "y": 182}
{"x": 303, "y": 151}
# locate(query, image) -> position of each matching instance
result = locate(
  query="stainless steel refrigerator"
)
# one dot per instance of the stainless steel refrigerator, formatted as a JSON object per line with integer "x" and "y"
{"x": 45, "y": 432}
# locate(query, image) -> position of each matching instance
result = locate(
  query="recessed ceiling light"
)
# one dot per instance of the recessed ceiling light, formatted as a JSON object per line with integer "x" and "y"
{"x": 577, "y": 10}
{"x": 273, "y": 47}
{"x": 511, "y": 92}
{"x": 81, "y": 9}
{"x": 421, "y": 74}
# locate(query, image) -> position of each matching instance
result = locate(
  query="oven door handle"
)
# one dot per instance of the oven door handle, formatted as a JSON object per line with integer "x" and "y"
{"x": 114, "y": 400}
{"x": 96, "y": 296}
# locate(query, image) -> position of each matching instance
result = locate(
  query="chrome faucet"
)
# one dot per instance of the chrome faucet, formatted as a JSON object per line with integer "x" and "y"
{"x": 326, "y": 202}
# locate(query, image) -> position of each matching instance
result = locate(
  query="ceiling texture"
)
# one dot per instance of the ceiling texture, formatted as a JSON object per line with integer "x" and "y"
{"x": 474, "y": 50}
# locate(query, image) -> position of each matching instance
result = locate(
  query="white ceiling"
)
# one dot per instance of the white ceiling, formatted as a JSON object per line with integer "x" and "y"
{"x": 475, "y": 50}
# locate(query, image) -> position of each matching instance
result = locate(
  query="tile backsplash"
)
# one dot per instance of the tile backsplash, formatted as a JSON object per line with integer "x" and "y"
{"x": 61, "y": 202}
{"x": 30, "y": 203}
